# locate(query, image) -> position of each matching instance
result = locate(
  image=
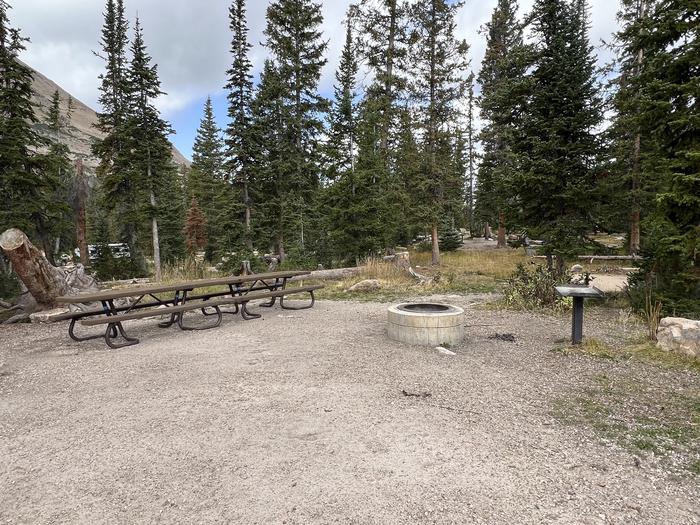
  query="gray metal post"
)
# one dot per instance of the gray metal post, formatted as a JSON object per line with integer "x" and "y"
{"x": 577, "y": 321}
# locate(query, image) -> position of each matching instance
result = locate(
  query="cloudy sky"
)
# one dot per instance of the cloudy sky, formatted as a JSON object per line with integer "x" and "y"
{"x": 189, "y": 40}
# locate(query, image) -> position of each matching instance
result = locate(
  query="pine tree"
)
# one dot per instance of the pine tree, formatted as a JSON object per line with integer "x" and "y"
{"x": 26, "y": 182}
{"x": 54, "y": 116}
{"x": 294, "y": 38}
{"x": 206, "y": 178}
{"x": 440, "y": 64}
{"x": 666, "y": 114}
{"x": 553, "y": 190}
{"x": 150, "y": 151}
{"x": 117, "y": 191}
{"x": 503, "y": 99}
{"x": 269, "y": 153}
{"x": 240, "y": 87}
{"x": 471, "y": 178}
{"x": 56, "y": 165}
{"x": 382, "y": 29}
{"x": 343, "y": 119}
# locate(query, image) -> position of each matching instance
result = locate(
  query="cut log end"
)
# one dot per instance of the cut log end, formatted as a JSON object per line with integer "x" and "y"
{"x": 12, "y": 239}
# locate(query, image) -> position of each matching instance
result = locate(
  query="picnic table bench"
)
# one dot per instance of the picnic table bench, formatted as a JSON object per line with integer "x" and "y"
{"x": 174, "y": 299}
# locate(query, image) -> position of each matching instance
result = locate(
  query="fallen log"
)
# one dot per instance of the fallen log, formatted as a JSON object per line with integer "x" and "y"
{"x": 42, "y": 280}
{"x": 336, "y": 274}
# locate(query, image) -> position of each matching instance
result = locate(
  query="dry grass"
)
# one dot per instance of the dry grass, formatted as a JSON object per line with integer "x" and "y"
{"x": 638, "y": 349}
{"x": 459, "y": 272}
{"x": 497, "y": 264}
{"x": 186, "y": 270}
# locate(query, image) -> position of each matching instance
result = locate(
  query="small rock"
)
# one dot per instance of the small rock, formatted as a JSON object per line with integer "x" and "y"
{"x": 444, "y": 351}
{"x": 365, "y": 286}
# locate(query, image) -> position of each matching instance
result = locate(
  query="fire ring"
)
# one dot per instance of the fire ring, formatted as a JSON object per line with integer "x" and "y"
{"x": 426, "y": 323}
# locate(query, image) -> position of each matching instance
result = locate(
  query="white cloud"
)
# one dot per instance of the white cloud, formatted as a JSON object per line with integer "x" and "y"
{"x": 190, "y": 40}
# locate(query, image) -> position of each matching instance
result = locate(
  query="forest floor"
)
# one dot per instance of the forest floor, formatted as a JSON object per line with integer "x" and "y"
{"x": 316, "y": 416}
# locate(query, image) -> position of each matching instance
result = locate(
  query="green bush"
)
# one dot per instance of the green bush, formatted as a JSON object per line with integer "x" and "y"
{"x": 533, "y": 287}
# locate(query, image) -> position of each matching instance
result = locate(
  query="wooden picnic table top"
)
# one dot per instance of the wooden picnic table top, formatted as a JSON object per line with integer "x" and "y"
{"x": 106, "y": 295}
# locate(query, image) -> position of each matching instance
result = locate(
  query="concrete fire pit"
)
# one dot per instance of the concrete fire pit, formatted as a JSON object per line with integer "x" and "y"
{"x": 426, "y": 323}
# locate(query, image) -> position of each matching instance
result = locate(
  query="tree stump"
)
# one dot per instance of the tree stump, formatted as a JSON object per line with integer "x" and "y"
{"x": 44, "y": 281}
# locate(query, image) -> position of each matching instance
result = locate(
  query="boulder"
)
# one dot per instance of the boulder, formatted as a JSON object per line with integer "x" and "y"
{"x": 577, "y": 268}
{"x": 365, "y": 286}
{"x": 676, "y": 334}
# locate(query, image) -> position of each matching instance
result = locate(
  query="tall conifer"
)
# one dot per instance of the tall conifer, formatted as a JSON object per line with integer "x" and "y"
{"x": 440, "y": 63}
{"x": 27, "y": 182}
{"x": 207, "y": 180}
{"x": 239, "y": 86}
{"x": 554, "y": 188}
{"x": 503, "y": 97}
{"x": 294, "y": 37}
{"x": 150, "y": 156}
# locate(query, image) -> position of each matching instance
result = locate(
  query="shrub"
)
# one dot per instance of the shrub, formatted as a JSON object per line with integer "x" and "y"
{"x": 533, "y": 287}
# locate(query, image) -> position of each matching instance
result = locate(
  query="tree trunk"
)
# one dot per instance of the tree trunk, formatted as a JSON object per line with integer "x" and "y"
{"x": 487, "y": 231}
{"x": 436, "y": 245}
{"x": 635, "y": 215}
{"x": 246, "y": 198}
{"x": 156, "y": 240}
{"x": 43, "y": 281}
{"x": 501, "y": 231}
{"x": 79, "y": 196}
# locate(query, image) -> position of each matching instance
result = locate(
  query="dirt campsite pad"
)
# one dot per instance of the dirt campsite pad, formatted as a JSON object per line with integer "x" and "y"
{"x": 316, "y": 417}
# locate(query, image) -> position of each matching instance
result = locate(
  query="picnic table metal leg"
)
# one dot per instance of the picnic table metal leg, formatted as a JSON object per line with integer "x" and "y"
{"x": 183, "y": 326}
{"x": 272, "y": 288}
{"x": 113, "y": 330}
{"x": 71, "y": 332}
{"x": 577, "y": 321}
{"x": 173, "y": 317}
{"x": 111, "y": 336}
{"x": 313, "y": 301}
{"x": 246, "y": 314}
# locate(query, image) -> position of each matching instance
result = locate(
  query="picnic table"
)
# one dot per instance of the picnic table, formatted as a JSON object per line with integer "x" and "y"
{"x": 174, "y": 299}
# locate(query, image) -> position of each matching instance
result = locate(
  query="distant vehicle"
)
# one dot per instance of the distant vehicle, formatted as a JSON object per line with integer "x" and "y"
{"x": 119, "y": 250}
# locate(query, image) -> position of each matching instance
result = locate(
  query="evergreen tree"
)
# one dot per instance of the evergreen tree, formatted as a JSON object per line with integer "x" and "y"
{"x": 471, "y": 178}
{"x": 343, "y": 120}
{"x": 152, "y": 170}
{"x": 440, "y": 63}
{"x": 57, "y": 169}
{"x": 269, "y": 147}
{"x": 503, "y": 99}
{"x": 294, "y": 38}
{"x": 553, "y": 190}
{"x": 27, "y": 184}
{"x": 206, "y": 179}
{"x": 118, "y": 192}
{"x": 238, "y": 148}
{"x": 382, "y": 29}
{"x": 667, "y": 89}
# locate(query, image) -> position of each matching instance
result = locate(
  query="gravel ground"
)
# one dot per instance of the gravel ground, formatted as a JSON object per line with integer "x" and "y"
{"x": 299, "y": 417}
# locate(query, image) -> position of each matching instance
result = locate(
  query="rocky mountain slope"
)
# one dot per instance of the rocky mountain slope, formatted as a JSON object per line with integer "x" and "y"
{"x": 81, "y": 133}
